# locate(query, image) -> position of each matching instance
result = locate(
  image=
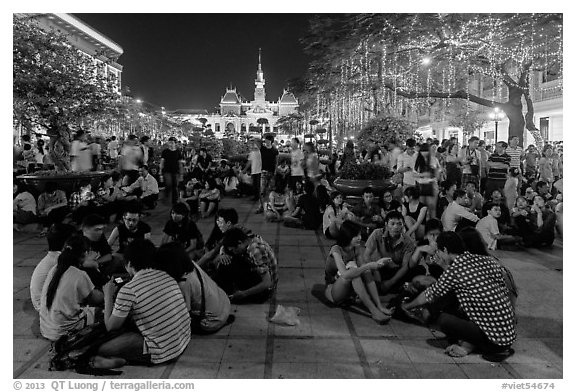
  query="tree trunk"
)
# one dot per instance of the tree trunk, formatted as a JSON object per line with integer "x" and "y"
{"x": 513, "y": 109}
{"x": 60, "y": 147}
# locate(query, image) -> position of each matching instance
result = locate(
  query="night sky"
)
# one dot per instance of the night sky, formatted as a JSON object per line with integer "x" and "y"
{"x": 186, "y": 61}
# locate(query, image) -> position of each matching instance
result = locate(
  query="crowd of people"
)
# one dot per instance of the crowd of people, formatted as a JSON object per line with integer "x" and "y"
{"x": 426, "y": 239}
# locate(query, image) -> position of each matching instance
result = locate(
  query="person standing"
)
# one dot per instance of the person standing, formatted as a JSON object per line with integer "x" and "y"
{"x": 269, "y": 155}
{"x": 147, "y": 151}
{"x": 80, "y": 153}
{"x": 516, "y": 154}
{"x": 130, "y": 156}
{"x": 255, "y": 166}
{"x": 498, "y": 166}
{"x": 406, "y": 162}
{"x": 296, "y": 163}
{"x": 113, "y": 148}
{"x": 171, "y": 169}
{"x": 471, "y": 161}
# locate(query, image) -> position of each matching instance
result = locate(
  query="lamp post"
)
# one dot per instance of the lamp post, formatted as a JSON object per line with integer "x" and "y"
{"x": 497, "y": 115}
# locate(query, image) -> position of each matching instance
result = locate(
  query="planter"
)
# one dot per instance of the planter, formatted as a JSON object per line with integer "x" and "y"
{"x": 67, "y": 182}
{"x": 355, "y": 187}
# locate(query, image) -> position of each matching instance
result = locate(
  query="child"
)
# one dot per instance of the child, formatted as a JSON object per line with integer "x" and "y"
{"x": 511, "y": 187}
{"x": 488, "y": 229}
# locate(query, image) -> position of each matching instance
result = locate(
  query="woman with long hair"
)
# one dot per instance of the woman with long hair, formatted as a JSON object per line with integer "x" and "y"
{"x": 347, "y": 273}
{"x": 209, "y": 197}
{"x": 414, "y": 213}
{"x": 425, "y": 173}
{"x": 68, "y": 291}
{"x": 335, "y": 214}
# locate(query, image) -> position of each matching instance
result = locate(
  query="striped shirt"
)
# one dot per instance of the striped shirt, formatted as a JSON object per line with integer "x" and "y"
{"x": 499, "y": 173}
{"x": 479, "y": 286}
{"x": 154, "y": 301}
{"x": 515, "y": 155}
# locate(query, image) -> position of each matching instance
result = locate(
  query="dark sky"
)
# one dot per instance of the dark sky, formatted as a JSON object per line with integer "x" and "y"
{"x": 187, "y": 60}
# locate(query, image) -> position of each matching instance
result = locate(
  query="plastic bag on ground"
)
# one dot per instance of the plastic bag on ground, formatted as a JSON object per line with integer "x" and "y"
{"x": 286, "y": 316}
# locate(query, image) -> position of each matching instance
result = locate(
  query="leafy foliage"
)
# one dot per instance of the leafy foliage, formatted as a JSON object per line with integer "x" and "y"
{"x": 363, "y": 171}
{"x": 55, "y": 86}
{"x": 385, "y": 130}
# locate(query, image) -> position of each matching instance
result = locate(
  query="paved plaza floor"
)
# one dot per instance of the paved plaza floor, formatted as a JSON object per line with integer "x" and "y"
{"x": 329, "y": 342}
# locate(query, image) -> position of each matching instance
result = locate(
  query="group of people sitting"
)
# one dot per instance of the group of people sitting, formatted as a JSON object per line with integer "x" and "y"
{"x": 150, "y": 298}
{"x": 435, "y": 261}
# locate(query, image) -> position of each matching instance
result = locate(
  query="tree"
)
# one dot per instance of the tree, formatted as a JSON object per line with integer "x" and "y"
{"x": 55, "y": 87}
{"x": 385, "y": 131}
{"x": 403, "y": 64}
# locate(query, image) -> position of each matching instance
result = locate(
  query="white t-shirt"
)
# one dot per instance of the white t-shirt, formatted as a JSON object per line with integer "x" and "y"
{"x": 405, "y": 160}
{"x": 255, "y": 162}
{"x": 488, "y": 228}
{"x": 82, "y": 156}
{"x": 66, "y": 313}
{"x": 296, "y": 159}
{"x": 453, "y": 214}
{"x": 216, "y": 300}
{"x": 39, "y": 277}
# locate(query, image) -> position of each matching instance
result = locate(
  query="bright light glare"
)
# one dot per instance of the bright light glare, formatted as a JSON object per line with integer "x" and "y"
{"x": 426, "y": 60}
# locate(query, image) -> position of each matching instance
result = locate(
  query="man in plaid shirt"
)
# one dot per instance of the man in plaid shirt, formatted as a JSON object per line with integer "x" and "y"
{"x": 252, "y": 273}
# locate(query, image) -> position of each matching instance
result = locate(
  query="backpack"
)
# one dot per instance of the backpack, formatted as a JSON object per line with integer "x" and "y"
{"x": 74, "y": 350}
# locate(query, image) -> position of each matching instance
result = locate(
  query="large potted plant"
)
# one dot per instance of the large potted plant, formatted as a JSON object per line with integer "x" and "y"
{"x": 353, "y": 178}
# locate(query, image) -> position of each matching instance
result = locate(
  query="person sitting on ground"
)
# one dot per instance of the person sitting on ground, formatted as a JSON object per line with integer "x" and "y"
{"x": 414, "y": 213}
{"x": 83, "y": 202}
{"x": 487, "y": 320}
{"x": 307, "y": 213}
{"x": 504, "y": 220}
{"x": 93, "y": 227}
{"x": 252, "y": 274}
{"x": 457, "y": 214}
{"x": 387, "y": 203}
{"x": 537, "y": 228}
{"x": 52, "y": 206}
{"x": 155, "y": 304}
{"x": 346, "y": 273}
{"x": 475, "y": 199}
{"x": 445, "y": 197}
{"x": 189, "y": 193}
{"x": 277, "y": 206}
{"x": 23, "y": 206}
{"x": 488, "y": 229}
{"x": 68, "y": 292}
{"x": 425, "y": 253}
{"x": 145, "y": 188}
{"x": 208, "y": 304}
{"x": 368, "y": 213}
{"x": 209, "y": 198}
{"x": 180, "y": 228}
{"x": 543, "y": 190}
{"x": 226, "y": 218}
{"x": 56, "y": 236}
{"x": 130, "y": 229}
{"x": 336, "y": 213}
{"x": 392, "y": 243}
{"x": 294, "y": 193}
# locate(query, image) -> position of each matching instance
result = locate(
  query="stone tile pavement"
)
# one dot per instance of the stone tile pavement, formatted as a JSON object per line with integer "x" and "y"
{"x": 330, "y": 342}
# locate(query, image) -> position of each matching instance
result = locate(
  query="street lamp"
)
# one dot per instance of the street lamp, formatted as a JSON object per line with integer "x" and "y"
{"x": 497, "y": 115}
